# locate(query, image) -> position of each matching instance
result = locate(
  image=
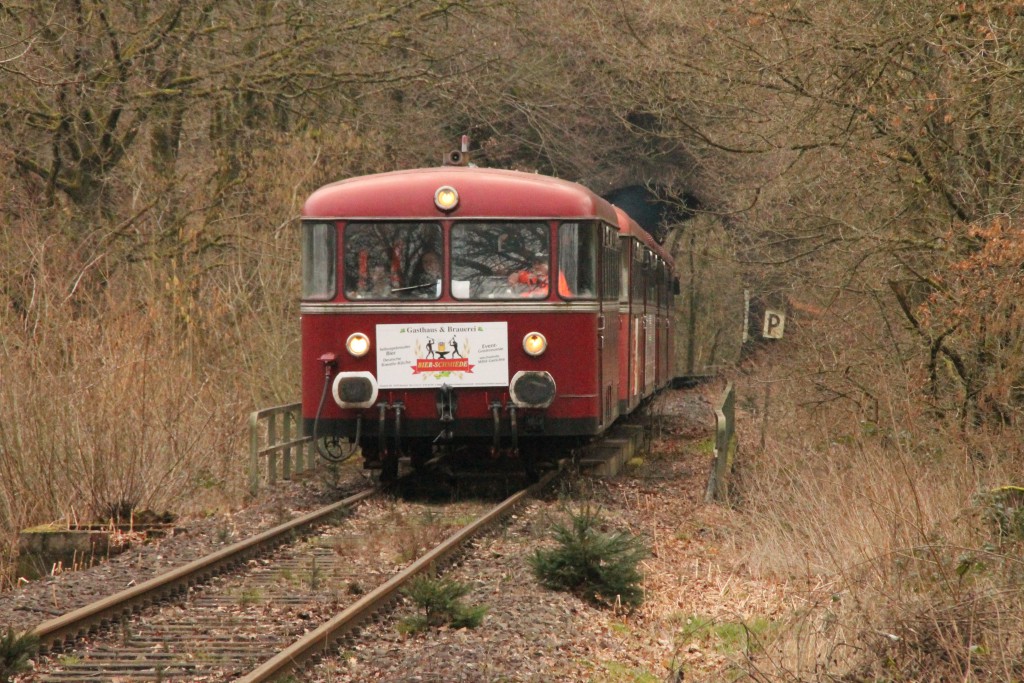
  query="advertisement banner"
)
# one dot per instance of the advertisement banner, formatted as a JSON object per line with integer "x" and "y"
{"x": 422, "y": 355}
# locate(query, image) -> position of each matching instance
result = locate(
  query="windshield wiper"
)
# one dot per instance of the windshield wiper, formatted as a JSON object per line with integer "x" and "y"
{"x": 412, "y": 287}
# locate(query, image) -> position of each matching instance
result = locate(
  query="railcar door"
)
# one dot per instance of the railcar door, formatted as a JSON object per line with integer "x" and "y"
{"x": 625, "y": 353}
{"x": 650, "y": 323}
{"x": 636, "y": 313}
{"x": 662, "y": 371}
{"x": 608, "y": 323}
{"x": 587, "y": 264}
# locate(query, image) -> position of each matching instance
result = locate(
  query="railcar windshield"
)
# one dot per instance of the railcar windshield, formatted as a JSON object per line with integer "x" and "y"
{"x": 506, "y": 260}
{"x": 393, "y": 260}
{"x": 319, "y": 257}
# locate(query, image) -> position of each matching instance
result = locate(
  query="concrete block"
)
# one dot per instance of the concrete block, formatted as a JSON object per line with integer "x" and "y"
{"x": 47, "y": 547}
{"x": 42, "y": 548}
{"x": 603, "y": 460}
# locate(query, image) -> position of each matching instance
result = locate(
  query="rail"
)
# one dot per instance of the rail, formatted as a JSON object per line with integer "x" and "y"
{"x": 77, "y": 623}
{"x": 725, "y": 448}
{"x": 288, "y": 441}
{"x": 321, "y": 638}
{"x": 138, "y": 659}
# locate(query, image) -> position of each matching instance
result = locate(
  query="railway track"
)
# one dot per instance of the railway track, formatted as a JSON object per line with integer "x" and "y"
{"x": 210, "y": 621}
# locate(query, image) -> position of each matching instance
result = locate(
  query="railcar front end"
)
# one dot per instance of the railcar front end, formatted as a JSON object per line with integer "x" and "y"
{"x": 457, "y": 308}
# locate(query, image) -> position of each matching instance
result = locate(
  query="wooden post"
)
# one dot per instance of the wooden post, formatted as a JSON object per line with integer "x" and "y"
{"x": 272, "y": 455}
{"x": 288, "y": 418}
{"x": 301, "y": 463}
{"x": 254, "y": 453}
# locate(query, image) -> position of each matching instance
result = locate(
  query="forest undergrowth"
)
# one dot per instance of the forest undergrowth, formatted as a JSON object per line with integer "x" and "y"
{"x": 899, "y": 528}
{"x": 853, "y": 163}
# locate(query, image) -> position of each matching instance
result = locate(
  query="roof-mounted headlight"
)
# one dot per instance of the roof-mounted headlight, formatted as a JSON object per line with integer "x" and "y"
{"x": 446, "y": 198}
{"x": 357, "y": 344}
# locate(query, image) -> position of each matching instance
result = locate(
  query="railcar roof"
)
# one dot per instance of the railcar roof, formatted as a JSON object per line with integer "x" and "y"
{"x": 483, "y": 193}
{"x": 628, "y": 226}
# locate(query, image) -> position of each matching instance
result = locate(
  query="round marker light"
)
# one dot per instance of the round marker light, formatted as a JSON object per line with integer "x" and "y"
{"x": 358, "y": 344}
{"x": 535, "y": 344}
{"x": 446, "y": 198}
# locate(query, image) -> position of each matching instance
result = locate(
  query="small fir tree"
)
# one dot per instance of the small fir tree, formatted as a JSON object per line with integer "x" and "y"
{"x": 599, "y": 567}
{"x": 15, "y": 652}
{"x": 441, "y": 602}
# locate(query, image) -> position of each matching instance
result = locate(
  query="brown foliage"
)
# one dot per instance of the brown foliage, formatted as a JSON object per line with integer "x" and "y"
{"x": 974, "y": 317}
{"x": 865, "y": 157}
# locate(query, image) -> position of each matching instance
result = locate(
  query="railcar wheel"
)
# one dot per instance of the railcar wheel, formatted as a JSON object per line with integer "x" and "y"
{"x": 528, "y": 456}
{"x": 420, "y": 453}
{"x": 389, "y": 468}
{"x": 386, "y": 466}
{"x": 371, "y": 458}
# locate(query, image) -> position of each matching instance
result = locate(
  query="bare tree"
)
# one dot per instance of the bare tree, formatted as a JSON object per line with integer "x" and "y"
{"x": 89, "y": 78}
{"x": 878, "y": 138}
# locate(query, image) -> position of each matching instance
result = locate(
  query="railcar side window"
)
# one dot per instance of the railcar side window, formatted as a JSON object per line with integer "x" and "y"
{"x": 610, "y": 264}
{"x": 577, "y": 260}
{"x": 393, "y": 260}
{"x": 624, "y": 259}
{"x": 650, "y": 270}
{"x": 639, "y": 274}
{"x": 319, "y": 260}
{"x": 662, "y": 290}
{"x": 507, "y": 260}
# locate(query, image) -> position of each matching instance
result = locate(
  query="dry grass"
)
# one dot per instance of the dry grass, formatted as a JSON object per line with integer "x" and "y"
{"x": 133, "y": 345}
{"x": 135, "y": 338}
{"x": 902, "y": 566}
{"x": 112, "y": 412}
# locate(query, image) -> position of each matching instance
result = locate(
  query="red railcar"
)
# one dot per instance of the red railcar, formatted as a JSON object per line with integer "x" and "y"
{"x": 463, "y": 307}
{"x": 648, "y": 284}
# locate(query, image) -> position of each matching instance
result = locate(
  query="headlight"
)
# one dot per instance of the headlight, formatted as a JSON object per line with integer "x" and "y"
{"x": 446, "y": 198}
{"x": 535, "y": 344}
{"x": 532, "y": 389}
{"x": 358, "y": 344}
{"x": 355, "y": 389}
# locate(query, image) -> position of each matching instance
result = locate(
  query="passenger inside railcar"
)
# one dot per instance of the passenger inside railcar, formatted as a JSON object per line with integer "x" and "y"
{"x": 426, "y": 279}
{"x": 392, "y": 260}
{"x": 531, "y": 282}
{"x": 378, "y": 285}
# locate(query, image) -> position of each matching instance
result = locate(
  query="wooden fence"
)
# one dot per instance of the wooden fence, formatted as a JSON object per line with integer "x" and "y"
{"x": 275, "y": 435}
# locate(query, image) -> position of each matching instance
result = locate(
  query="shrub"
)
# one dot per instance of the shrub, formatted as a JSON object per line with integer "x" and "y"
{"x": 15, "y": 652}
{"x": 599, "y": 567}
{"x": 441, "y": 602}
{"x": 1004, "y": 510}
